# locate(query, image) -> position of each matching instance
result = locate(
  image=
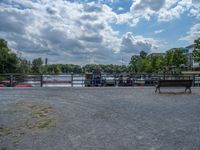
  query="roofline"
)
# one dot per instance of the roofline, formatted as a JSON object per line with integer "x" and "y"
{"x": 190, "y": 46}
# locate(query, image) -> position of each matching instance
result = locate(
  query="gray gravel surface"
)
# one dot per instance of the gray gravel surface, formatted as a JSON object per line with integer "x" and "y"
{"x": 99, "y": 119}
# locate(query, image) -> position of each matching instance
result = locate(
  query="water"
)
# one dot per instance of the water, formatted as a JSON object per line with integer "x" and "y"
{"x": 59, "y": 81}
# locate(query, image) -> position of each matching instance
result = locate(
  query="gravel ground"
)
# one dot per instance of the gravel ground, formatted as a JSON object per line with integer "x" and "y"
{"x": 99, "y": 119}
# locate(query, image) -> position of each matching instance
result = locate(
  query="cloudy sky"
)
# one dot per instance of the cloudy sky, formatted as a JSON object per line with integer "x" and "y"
{"x": 97, "y": 31}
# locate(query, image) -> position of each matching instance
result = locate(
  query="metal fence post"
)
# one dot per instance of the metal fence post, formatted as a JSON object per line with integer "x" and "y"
{"x": 41, "y": 81}
{"x": 193, "y": 78}
{"x": 82, "y": 82}
{"x": 72, "y": 79}
{"x": 164, "y": 76}
{"x": 11, "y": 80}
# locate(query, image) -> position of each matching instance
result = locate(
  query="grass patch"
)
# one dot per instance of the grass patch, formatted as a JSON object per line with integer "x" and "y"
{"x": 12, "y": 110}
{"x": 4, "y": 131}
{"x": 34, "y": 118}
{"x": 40, "y": 116}
{"x": 45, "y": 124}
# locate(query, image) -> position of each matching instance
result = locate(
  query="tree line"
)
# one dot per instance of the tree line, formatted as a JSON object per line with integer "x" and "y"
{"x": 169, "y": 63}
{"x": 173, "y": 61}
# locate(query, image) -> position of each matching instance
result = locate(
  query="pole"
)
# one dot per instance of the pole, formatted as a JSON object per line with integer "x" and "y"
{"x": 11, "y": 80}
{"x": 41, "y": 81}
{"x": 72, "y": 79}
{"x": 193, "y": 78}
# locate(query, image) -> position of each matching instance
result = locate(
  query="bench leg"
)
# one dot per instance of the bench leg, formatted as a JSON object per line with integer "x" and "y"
{"x": 157, "y": 89}
{"x": 188, "y": 88}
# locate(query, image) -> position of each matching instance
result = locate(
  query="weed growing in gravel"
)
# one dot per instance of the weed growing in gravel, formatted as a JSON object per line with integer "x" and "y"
{"x": 36, "y": 118}
{"x": 4, "y": 131}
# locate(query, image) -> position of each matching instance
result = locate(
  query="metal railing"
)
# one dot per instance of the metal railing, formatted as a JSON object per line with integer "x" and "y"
{"x": 80, "y": 80}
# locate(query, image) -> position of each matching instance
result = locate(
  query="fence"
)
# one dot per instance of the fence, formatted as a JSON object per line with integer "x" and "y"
{"x": 79, "y": 80}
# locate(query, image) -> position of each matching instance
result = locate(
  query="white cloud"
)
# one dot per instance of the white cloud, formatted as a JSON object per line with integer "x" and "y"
{"x": 159, "y": 31}
{"x": 163, "y": 10}
{"x": 67, "y": 32}
{"x": 193, "y": 34}
{"x": 140, "y": 9}
{"x": 55, "y": 29}
{"x": 120, "y": 8}
{"x": 173, "y": 9}
{"x": 195, "y": 10}
{"x": 134, "y": 44}
{"x": 154, "y": 5}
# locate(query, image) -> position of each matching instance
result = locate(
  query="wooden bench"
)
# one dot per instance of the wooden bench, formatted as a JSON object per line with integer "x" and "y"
{"x": 175, "y": 83}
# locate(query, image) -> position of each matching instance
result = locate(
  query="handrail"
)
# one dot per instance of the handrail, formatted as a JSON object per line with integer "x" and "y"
{"x": 102, "y": 80}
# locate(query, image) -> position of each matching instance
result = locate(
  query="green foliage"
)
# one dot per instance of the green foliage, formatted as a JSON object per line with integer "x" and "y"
{"x": 197, "y": 44}
{"x": 196, "y": 52}
{"x": 175, "y": 58}
{"x": 37, "y": 66}
{"x": 196, "y": 55}
{"x": 143, "y": 54}
{"x": 132, "y": 64}
{"x": 53, "y": 69}
{"x": 144, "y": 63}
{"x": 24, "y": 66}
{"x": 69, "y": 68}
{"x": 8, "y": 60}
{"x": 156, "y": 63}
{"x": 104, "y": 68}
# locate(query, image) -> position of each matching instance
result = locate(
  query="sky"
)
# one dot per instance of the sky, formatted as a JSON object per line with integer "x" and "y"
{"x": 97, "y": 31}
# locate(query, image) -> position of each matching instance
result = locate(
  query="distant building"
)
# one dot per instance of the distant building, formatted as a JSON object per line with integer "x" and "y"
{"x": 183, "y": 49}
{"x": 191, "y": 48}
{"x": 193, "y": 63}
{"x": 156, "y": 54}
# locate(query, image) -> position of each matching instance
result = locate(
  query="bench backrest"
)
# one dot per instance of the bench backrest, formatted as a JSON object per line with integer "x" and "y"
{"x": 176, "y": 83}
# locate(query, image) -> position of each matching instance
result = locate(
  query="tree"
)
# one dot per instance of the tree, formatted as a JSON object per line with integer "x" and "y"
{"x": 92, "y": 68}
{"x": 179, "y": 58}
{"x": 53, "y": 69}
{"x": 140, "y": 63}
{"x": 8, "y": 59}
{"x": 196, "y": 52}
{"x": 144, "y": 65}
{"x": 37, "y": 65}
{"x": 132, "y": 63}
{"x": 143, "y": 54}
{"x": 175, "y": 58}
{"x": 24, "y": 66}
{"x": 158, "y": 64}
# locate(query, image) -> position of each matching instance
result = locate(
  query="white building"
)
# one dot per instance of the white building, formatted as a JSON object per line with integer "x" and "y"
{"x": 192, "y": 62}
